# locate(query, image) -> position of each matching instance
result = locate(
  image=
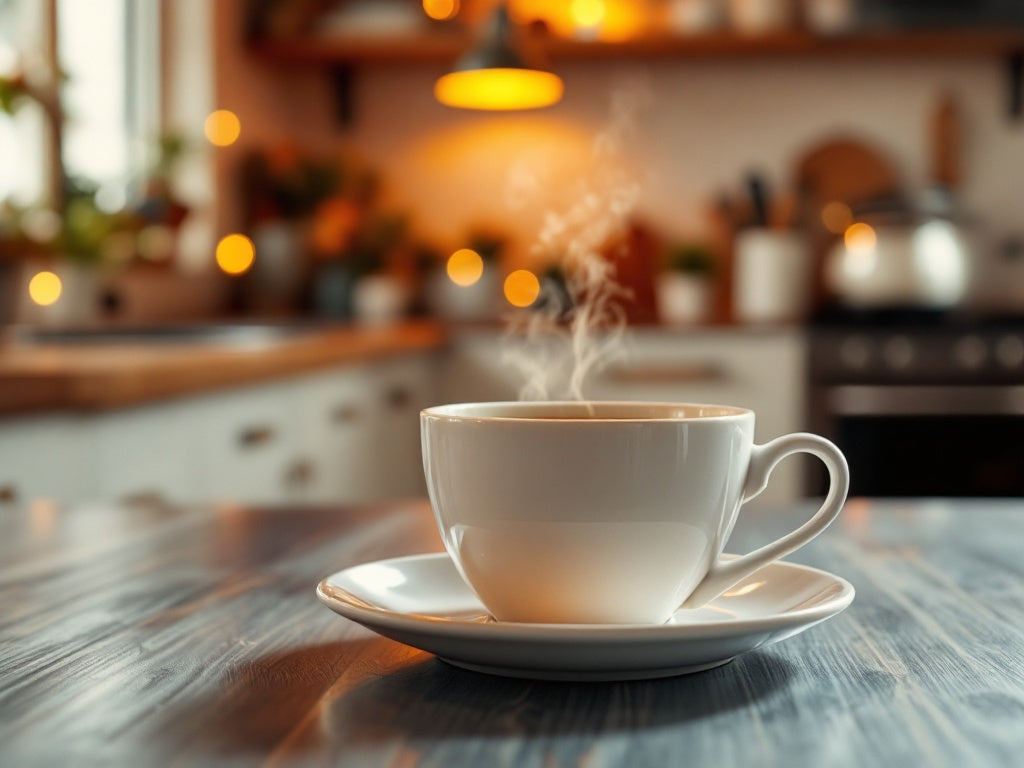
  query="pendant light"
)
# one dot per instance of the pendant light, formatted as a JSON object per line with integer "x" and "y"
{"x": 494, "y": 75}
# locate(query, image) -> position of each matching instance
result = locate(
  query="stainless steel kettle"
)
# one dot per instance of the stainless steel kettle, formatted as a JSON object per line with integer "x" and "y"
{"x": 921, "y": 264}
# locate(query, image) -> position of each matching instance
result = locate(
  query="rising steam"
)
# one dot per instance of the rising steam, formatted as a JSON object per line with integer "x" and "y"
{"x": 555, "y": 348}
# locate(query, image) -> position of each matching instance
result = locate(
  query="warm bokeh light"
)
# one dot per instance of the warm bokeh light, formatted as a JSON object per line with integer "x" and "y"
{"x": 587, "y": 13}
{"x": 609, "y": 20}
{"x": 522, "y": 288}
{"x": 499, "y": 89}
{"x": 222, "y": 127}
{"x": 440, "y": 10}
{"x": 44, "y": 288}
{"x": 465, "y": 267}
{"x": 235, "y": 254}
{"x": 623, "y": 20}
{"x": 42, "y": 518}
{"x": 836, "y": 217}
{"x": 860, "y": 238}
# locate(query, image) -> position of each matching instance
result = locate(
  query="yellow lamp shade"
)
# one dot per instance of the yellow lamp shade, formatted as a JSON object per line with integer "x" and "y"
{"x": 502, "y": 88}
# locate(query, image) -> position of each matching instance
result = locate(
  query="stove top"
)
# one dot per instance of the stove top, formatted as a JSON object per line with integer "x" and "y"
{"x": 916, "y": 346}
{"x": 907, "y": 318}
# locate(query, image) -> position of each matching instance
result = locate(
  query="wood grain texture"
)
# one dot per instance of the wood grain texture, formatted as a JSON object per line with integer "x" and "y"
{"x": 102, "y": 377}
{"x": 154, "y": 636}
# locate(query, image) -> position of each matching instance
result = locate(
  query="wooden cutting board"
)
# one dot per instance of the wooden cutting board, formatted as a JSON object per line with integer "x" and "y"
{"x": 846, "y": 170}
{"x": 945, "y": 143}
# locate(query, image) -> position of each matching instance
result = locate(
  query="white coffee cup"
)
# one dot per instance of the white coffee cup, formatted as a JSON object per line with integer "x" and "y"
{"x": 604, "y": 512}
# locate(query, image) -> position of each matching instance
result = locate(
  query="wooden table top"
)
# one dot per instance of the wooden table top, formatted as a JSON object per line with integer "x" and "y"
{"x": 193, "y": 637}
{"x": 96, "y": 377}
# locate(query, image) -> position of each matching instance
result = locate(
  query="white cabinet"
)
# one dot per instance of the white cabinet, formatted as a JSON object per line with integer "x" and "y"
{"x": 762, "y": 370}
{"x": 45, "y": 457}
{"x": 403, "y": 387}
{"x": 337, "y": 424}
{"x": 351, "y": 433}
{"x": 145, "y": 453}
{"x": 341, "y": 435}
{"x": 246, "y": 440}
{"x": 758, "y": 369}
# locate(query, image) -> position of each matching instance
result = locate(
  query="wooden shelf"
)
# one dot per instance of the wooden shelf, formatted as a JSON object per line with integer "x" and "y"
{"x": 445, "y": 47}
{"x": 347, "y": 51}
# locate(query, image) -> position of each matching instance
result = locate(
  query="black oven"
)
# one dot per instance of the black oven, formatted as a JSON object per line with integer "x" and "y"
{"x": 922, "y": 404}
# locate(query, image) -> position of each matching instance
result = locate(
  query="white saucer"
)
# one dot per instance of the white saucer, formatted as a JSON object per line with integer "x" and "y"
{"x": 422, "y": 601}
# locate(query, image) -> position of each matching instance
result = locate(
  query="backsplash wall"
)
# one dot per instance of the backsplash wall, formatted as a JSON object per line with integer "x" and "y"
{"x": 705, "y": 124}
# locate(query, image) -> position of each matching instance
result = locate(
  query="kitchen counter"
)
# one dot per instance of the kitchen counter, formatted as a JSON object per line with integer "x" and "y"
{"x": 156, "y": 635}
{"x": 103, "y": 376}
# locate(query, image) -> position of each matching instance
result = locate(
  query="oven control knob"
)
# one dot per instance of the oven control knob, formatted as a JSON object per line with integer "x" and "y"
{"x": 898, "y": 352}
{"x": 855, "y": 352}
{"x": 970, "y": 352}
{"x": 1010, "y": 352}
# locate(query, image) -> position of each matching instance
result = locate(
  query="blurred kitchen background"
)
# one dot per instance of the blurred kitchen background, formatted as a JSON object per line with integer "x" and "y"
{"x": 243, "y": 243}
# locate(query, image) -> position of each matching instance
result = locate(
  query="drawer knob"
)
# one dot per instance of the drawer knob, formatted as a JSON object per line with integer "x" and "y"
{"x": 345, "y": 413}
{"x": 255, "y": 436}
{"x": 398, "y": 397}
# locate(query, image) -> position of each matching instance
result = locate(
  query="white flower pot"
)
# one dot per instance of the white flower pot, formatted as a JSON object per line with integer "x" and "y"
{"x": 683, "y": 299}
{"x": 379, "y": 300}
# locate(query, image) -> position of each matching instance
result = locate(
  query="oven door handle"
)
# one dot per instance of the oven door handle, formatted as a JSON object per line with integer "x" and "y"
{"x": 872, "y": 400}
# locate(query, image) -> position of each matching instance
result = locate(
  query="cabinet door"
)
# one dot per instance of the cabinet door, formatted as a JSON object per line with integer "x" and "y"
{"x": 336, "y": 426}
{"x": 46, "y": 457}
{"x": 401, "y": 389}
{"x": 759, "y": 370}
{"x": 246, "y": 444}
{"x": 148, "y": 453}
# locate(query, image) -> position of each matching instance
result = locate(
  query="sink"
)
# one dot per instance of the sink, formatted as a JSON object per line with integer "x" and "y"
{"x": 199, "y": 333}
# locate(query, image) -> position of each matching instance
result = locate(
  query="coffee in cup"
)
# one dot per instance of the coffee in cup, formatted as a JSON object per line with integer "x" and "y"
{"x": 604, "y": 512}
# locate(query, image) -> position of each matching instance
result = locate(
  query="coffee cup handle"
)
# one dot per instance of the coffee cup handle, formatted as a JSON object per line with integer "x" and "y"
{"x": 724, "y": 574}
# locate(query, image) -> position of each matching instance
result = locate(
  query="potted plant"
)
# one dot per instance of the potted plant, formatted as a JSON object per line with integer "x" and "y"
{"x": 684, "y": 286}
{"x": 86, "y": 245}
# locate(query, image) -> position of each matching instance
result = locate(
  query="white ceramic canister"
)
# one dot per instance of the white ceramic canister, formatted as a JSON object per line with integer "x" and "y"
{"x": 773, "y": 276}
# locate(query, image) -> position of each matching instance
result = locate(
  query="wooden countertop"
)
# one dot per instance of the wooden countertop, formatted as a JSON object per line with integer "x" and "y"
{"x": 153, "y": 636}
{"x": 95, "y": 377}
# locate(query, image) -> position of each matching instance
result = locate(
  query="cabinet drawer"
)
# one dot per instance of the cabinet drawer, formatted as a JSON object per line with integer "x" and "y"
{"x": 148, "y": 454}
{"x": 337, "y": 422}
{"x": 402, "y": 388}
{"x": 246, "y": 442}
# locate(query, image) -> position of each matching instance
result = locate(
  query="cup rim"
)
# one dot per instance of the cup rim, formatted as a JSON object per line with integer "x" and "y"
{"x": 569, "y": 411}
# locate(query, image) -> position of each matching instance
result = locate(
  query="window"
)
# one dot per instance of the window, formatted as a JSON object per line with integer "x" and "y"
{"x": 109, "y": 53}
{"x": 22, "y": 155}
